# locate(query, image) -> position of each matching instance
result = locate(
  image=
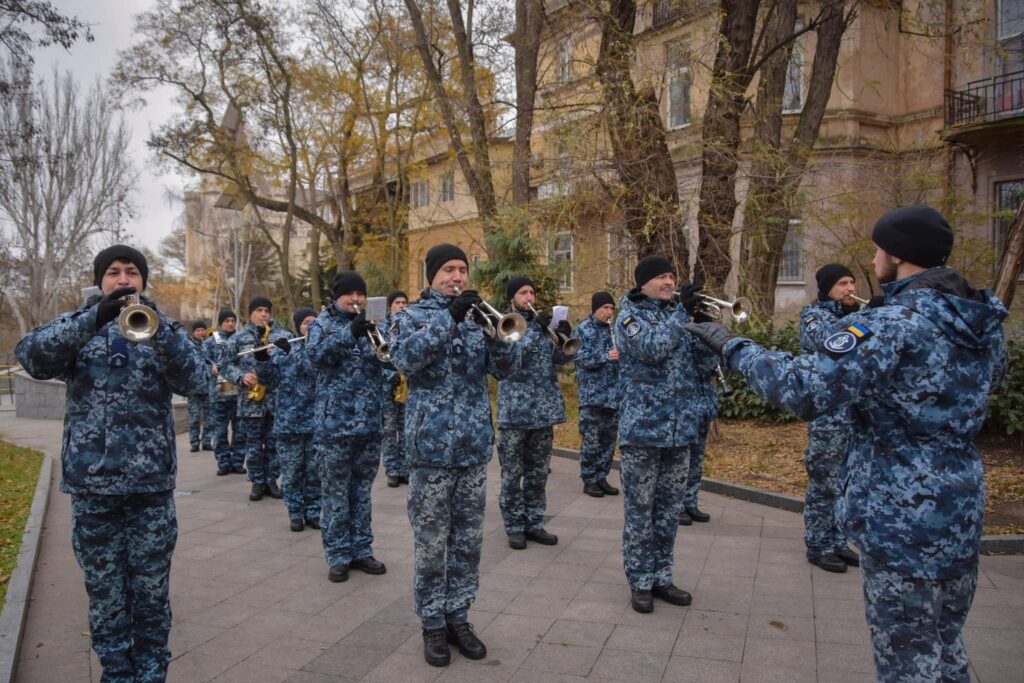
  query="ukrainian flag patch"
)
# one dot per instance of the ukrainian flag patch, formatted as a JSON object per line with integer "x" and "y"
{"x": 847, "y": 340}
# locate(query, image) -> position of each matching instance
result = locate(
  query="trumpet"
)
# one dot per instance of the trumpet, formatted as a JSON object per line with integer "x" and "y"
{"x": 508, "y": 327}
{"x": 380, "y": 346}
{"x": 569, "y": 346}
{"x": 862, "y": 302}
{"x": 137, "y": 322}
{"x": 267, "y": 346}
{"x": 738, "y": 309}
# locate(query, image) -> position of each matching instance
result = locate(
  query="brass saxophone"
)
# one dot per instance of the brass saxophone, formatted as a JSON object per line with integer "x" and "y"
{"x": 257, "y": 392}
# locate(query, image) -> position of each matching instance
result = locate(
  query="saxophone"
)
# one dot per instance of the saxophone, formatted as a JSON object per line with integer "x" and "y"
{"x": 401, "y": 392}
{"x": 257, "y": 392}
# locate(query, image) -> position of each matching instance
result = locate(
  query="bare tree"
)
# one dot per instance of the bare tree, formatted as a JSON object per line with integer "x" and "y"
{"x": 65, "y": 183}
{"x": 1012, "y": 260}
{"x": 18, "y": 18}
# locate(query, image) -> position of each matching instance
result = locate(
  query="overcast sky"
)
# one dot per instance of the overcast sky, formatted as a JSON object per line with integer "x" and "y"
{"x": 112, "y": 22}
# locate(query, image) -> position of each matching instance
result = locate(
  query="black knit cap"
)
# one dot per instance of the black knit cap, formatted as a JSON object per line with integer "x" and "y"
{"x": 300, "y": 315}
{"x": 600, "y": 299}
{"x": 828, "y": 275}
{"x": 199, "y": 325}
{"x": 224, "y": 314}
{"x": 119, "y": 252}
{"x": 260, "y": 302}
{"x": 918, "y": 234}
{"x": 515, "y": 284}
{"x": 397, "y": 294}
{"x": 441, "y": 254}
{"x": 348, "y": 281}
{"x": 651, "y": 267}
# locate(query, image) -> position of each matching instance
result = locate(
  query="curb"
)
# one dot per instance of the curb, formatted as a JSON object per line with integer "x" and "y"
{"x": 1009, "y": 544}
{"x": 15, "y": 608}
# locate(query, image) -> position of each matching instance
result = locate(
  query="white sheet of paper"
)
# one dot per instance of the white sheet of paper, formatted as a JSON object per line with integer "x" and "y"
{"x": 376, "y": 308}
{"x": 558, "y": 314}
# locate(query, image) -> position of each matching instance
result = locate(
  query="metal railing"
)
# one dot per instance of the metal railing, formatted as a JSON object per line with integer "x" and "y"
{"x": 987, "y": 99}
{"x": 665, "y": 12}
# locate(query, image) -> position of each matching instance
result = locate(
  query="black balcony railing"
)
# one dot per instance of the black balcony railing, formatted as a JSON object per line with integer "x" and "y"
{"x": 988, "y": 99}
{"x": 665, "y": 12}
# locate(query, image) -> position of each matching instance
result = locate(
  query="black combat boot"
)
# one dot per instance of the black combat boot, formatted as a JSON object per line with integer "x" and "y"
{"x": 698, "y": 516}
{"x": 830, "y": 563}
{"x": 273, "y": 490}
{"x": 593, "y": 490}
{"x": 435, "y": 647}
{"x": 257, "y": 492}
{"x": 297, "y": 525}
{"x": 462, "y": 636}
{"x": 642, "y": 601}
{"x": 541, "y": 536}
{"x": 672, "y": 595}
{"x": 608, "y": 489}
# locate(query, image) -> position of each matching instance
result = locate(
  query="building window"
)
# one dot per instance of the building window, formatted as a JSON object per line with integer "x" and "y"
{"x": 680, "y": 82}
{"x": 1008, "y": 197}
{"x": 1010, "y": 18}
{"x": 565, "y": 60}
{"x": 447, "y": 187}
{"x": 560, "y": 257}
{"x": 793, "y": 96}
{"x": 419, "y": 194}
{"x": 621, "y": 259}
{"x": 791, "y": 267}
{"x": 1010, "y": 28}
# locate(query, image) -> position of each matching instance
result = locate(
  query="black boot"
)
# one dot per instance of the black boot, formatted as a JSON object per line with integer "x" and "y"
{"x": 541, "y": 536}
{"x": 829, "y": 563}
{"x": 257, "y": 492}
{"x": 851, "y": 558}
{"x": 516, "y": 541}
{"x": 338, "y": 573}
{"x": 297, "y": 525}
{"x": 698, "y": 516}
{"x": 435, "y": 647}
{"x": 273, "y": 490}
{"x": 393, "y": 481}
{"x": 672, "y": 595}
{"x": 313, "y": 523}
{"x": 238, "y": 469}
{"x": 642, "y": 601}
{"x": 369, "y": 565}
{"x": 608, "y": 489}
{"x": 463, "y": 637}
{"x": 221, "y": 471}
{"x": 685, "y": 519}
{"x": 593, "y": 490}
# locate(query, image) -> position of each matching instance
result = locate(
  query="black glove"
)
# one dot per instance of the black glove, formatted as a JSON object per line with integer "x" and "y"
{"x": 462, "y": 304}
{"x": 544, "y": 319}
{"x": 283, "y": 344}
{"x": 564, "y": 328}
{"x": 261, "y": 356}
{"x": 360, "y": 325}
{"x": 688, "y": 297}
{"x": 847, "y": 310}
{"x": 876, "y": 301}
{"x": 714, "y": 335}
{"x": 109, "y": 307}
{"x": 261, "y": 330}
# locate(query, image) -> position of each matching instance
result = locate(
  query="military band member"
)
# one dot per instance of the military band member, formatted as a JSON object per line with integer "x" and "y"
{"x": 223, "y": 404}
{"x": 707, "y": 403}
{"x": 530, "y": 403}
{"x": 597, "y": 379}
{"x": 348, "y": 426}
{"x": 828, "y": 436}
{"x": 446, "y": 359}
{"x": 254, "y": 439}
{"x": 660, "y": 364}
{"x": 393, "y": 447}
{"x": 917, "y": 372}
{"x": 118, "y": 460}
{"x": 199, "y": 433}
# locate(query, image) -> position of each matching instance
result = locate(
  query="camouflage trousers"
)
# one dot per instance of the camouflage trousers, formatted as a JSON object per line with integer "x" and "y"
{"x": 446, "y": 510}
{"x": 347, "y": 469}
{"x": 254, "y": 441}
{"x": 826, "y": 448}
{"x": 123, "y": 545}
{"x": 524, "y": 455}
{"x": 695, "y": 470}
{"x": 393, "y": 440}
{"x": 599, "y": 427}
{"x": 916, "y": 625}
{"x": 223, "y": 414}
{"x": 300, "y": 476}
{"x": 653, "y": 481}
{"x": 199, "y": 421}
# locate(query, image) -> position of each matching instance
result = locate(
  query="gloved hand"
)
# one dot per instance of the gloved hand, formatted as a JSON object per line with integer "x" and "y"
{"x": 564, "y": 328}
{"x": 261, "y": 330}
{"x": 688, "y": 297}
{"x": 876, "y": 301}
{"x": 714, "y": 335}
{"x": 360, "y": 325}
{"x": 262, "y": 356}
{"x": 462, "y": 304}
{"x": 544, "y": 319}
{"x": 283, "y": 344}
{"x": 109, "y": 307}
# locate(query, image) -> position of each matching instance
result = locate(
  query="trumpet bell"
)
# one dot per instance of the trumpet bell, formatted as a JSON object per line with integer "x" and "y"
{"x": 571, "y": 346}
{"x": 740, "y": 309}
{"x": 137, "y": 322}
{"x": 511, "y": 327}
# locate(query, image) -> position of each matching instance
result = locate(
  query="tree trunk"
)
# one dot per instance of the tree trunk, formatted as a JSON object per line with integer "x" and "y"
{"x": 526, "y": 43}
{"x": 1011, "y": 261}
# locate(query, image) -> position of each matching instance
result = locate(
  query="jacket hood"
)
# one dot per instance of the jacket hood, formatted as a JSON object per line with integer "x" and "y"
{"x": 965, "y": 315}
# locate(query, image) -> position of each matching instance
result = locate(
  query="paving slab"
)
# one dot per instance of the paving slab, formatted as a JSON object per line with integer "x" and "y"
{"x": 252, "y": 602}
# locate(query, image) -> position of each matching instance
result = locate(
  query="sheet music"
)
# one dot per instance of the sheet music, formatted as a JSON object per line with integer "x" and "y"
{"x": 558, "y": 314}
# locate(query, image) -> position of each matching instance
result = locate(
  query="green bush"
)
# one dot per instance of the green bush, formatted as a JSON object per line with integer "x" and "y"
{"x": 1006, "y": 404}
{"x": 743, "y": 403}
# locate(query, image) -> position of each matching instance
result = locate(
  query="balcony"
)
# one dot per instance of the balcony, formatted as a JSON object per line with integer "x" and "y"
{"x": 985, "y": 110}
{"x": 665, "y": 12}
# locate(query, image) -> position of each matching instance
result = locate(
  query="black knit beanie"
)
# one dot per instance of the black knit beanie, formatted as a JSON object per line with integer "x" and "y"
{"x": 397, "y": 294}
{"x": 917, "y": 234}
{"x": 260, "y": 302}
{"x": 199, "y": 325}
{"x": 224, "y": 314}
{"x": 515, "y": 284}
{"x": 119, "y": 252}
{"x": 651, "y": 267}
{"x": 600, "y": 299}
{"x": 440, "y": 255}
{"x": 348, "y": 281}
{"x": 827, "y": 277}
{"x": 300, "y": 315}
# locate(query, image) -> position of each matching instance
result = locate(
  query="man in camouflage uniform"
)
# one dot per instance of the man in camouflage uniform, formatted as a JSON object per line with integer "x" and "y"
{"x": 529, "y": 405}
{"x": 289, "y": 372}
{"x": 917, "y": 371}
{"x": 393, "y": 447}
{"x": 446, "y": 358}
{"x": 223, "y": 406}
{"x": 199, "y": 433}
{"x": 828, "y": 436}
{"x": 348, "y": 410}
{"x": 660, "y": 365}
{"x": 707, "y": 405}
{"x": 118, "y": 461}
{"x": 254, "y": 440}
{"x": 597, "y": 379}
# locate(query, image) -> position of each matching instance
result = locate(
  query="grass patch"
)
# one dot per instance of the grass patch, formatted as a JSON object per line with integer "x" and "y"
{"x": 19, "y": 471}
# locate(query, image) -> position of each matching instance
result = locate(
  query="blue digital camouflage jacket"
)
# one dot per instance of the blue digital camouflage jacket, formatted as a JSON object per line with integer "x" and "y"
{"x": 236, "y": 367}
{"x": 215, "y": 350}
{"x": 917, "y": 373}
{"x": 205, "y": 389}
{"x": 348, "y": 378}
{"x": 118, "y": 426}
{"x": 292, "y": 377}
{"x": 531, "y": 397}
{"x": 597, "y": 376}
{"x": 448, "y": 412}
{"x": 819, "y": 321}
{"x": 661, "y": 366}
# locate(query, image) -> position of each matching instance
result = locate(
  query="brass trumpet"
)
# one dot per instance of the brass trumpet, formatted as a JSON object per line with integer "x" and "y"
{"x": 380, "y": 346}
{"x": 137, "y": 322}
{"x": 507, "y": 327}
{"x": 569, "y": 346}
{"x": 738, "y": 309}
{"x": 862, "y": 302}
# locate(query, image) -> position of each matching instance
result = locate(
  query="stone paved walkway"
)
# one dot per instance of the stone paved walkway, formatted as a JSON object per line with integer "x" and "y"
{"x": 252, "y": 602}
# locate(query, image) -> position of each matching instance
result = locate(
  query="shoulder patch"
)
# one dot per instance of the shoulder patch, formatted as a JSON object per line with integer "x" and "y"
{"x": 631, "y": 326}
{"x": 847, "y": 340}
